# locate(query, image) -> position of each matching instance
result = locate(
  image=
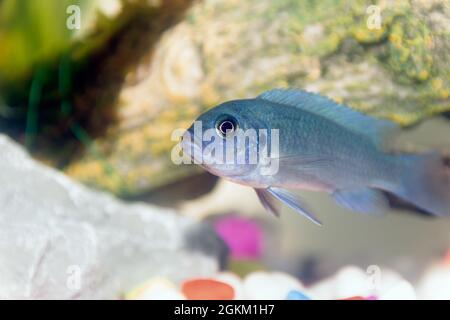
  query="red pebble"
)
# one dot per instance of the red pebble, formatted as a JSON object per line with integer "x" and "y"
{"x": 354, "y": 298}
{"x": 207, "y": 289}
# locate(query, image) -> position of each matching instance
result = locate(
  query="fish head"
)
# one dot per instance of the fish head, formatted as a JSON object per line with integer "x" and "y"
{"x": 227, "y": 140}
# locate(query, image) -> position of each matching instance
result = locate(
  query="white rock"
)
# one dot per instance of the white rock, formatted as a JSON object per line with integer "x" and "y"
{"x": 59, "y": 239}
{"x": 348, "y": 282}
{"x": 270, "y": 285}
{"x": 402, "y": 290}
{"x": 157, "y": 288}
{"x": 352, "y": 281}
{"x": 435, "y": 283}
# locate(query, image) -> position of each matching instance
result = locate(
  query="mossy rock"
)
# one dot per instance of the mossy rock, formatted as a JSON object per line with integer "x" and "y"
{"x": 233, "y": 49}
{"x": 236, "y": 49}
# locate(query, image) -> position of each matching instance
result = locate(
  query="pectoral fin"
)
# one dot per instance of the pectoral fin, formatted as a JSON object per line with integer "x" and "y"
{"x": 267, "y": 196}
{"x": 365, "y": 200}
{"x": 268, "y": 202}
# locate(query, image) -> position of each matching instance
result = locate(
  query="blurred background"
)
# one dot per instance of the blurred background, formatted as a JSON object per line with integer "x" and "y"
{"x": 94, "y": 90}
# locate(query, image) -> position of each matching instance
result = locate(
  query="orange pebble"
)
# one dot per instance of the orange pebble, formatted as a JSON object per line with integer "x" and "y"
{"x": 207, "y": 289}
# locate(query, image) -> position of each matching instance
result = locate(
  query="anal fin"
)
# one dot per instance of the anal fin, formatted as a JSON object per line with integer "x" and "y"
{"x": 364, "y": 200}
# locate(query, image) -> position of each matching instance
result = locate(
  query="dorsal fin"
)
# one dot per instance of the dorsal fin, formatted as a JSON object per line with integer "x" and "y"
{"x": 375, "y": 129}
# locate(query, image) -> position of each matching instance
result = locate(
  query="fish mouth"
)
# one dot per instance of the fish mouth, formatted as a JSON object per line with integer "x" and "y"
{"x": 194, "y": 151}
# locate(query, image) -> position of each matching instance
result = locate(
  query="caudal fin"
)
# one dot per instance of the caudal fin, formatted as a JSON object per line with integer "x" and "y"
{"x": 426, "y": 183}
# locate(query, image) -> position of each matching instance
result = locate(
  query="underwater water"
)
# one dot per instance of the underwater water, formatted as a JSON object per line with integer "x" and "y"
{"x": 97, "y": 202}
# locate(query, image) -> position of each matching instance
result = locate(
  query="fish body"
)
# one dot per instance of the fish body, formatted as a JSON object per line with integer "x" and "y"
{"x": 325, "y": 146}
{"x": 334, "y": 157}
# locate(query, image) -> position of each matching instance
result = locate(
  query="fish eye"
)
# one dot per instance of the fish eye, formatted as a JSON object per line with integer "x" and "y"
{"x": 226, "y": 126}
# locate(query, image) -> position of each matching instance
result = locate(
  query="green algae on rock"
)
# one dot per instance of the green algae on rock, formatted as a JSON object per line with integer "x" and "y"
{"x": 228, "y": 49}
{"x": 236, "y": 49}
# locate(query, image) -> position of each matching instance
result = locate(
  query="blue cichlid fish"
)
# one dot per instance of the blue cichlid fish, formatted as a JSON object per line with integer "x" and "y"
{"x": 322, "y": 146}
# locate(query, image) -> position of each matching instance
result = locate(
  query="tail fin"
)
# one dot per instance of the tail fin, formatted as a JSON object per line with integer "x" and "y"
{"x": 426, "y": 183}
